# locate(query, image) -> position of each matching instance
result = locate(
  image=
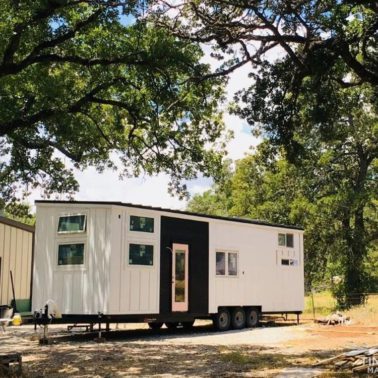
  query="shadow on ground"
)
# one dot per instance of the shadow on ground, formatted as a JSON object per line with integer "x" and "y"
{"x": 129, "y": 359}
{"x": 166, "y": 334}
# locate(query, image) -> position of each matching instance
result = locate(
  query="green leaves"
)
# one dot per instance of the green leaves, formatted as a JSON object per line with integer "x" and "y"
{"x": 80, "y": 82}
{"x": 331, "y": 191}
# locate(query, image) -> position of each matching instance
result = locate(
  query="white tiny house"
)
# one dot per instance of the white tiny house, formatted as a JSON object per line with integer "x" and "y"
{"x": 136, "y": 263}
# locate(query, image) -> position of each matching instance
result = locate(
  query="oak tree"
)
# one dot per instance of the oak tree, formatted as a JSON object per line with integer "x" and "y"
{"x": 92, "y": 83}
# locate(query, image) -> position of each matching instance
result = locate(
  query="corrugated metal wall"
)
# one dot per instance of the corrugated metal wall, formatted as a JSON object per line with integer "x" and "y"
{"x": 16, "y": 253}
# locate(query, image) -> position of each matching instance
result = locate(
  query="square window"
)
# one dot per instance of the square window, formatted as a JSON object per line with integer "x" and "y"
{"x": 71, "y": 254}
{"x": 286, "y": 240}
{"x": 282, "y": 240}
{"x": 232, "y": 264}
{"x": 142, "y": 224}
{"x": 141, "y": 254}
{"x": 220, "y": 263}
{"x": 290, "y": 240}
{"x": 72, "y": 223}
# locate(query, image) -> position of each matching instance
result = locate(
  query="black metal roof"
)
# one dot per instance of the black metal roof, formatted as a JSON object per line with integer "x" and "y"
{"x": 232, "y": 219}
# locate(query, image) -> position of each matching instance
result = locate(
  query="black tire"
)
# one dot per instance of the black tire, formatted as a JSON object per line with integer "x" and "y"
{"x": 171, "y": 325}
{"x": 238, "y": 318}
{"x": 155, "y": 325}
{"x": 188, "y": 325}
{"x": 222, "y": 320}
{"x": 252, "y": 317}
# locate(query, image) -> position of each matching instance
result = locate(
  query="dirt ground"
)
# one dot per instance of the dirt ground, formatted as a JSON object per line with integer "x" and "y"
{"x": 284, "y": 350}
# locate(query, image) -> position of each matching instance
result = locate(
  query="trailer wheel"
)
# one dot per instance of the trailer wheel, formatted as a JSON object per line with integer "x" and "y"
{"x": 155, "y": 325}
{"x": 188, "y": 325}
{"x": 171, "y": 325}
{"x": 222, "y": 319}
{"x": 252, "y": 317}
{"x": 238, "y": 318}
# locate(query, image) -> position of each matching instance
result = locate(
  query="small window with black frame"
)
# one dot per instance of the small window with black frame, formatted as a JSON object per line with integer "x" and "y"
{"x": 290, "y": 240}
{"x": 289, "y": 262}
{"x": 72, "y": 224}
{"x": 141, "y": 254}
{"x": 285, "y": 262}
{"x": 71, "y": 254}
{"x": 282, "y": 240}
{"x": 142, "y": 224}
{"x": 286, "y": 240}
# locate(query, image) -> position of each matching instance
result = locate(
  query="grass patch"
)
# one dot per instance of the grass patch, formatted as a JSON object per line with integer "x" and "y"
{"x": 236, "y": 358}
{"x": 256, "y": 361}
{"x": 366, "y": 314}
{"x": 324, "y": 304}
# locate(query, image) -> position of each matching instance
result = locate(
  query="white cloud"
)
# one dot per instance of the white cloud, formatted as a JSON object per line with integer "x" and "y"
{"x": 142, "y": 190}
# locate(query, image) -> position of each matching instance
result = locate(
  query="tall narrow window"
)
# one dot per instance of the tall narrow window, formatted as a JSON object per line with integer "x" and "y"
{"x": 180, "y": 276}
{"x": 290, "y": 240}
{"x": 220, "y": 263}
{"x": 72, "y": 224}
{"x": 232, "y": 264}
{"x": 282, "y": 240}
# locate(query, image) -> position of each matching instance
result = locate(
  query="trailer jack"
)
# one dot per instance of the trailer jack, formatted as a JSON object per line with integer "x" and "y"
{"x": 99, "y": 339}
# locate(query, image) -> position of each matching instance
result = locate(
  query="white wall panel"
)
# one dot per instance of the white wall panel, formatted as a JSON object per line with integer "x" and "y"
{"x": 81, "y": 289}
{"x": 262, "y": 280}
{"x": 139, "y": 285}
{"x": 108, "y": 283}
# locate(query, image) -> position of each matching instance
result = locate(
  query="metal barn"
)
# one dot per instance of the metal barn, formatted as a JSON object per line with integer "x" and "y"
{"x": 16, "y": 256}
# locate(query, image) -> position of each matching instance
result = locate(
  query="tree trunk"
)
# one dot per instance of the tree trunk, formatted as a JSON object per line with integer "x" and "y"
{"x": 354, "y": 277}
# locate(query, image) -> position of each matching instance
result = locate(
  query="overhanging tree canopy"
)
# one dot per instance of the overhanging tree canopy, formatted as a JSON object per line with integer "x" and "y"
{"x": 312, "y": 33}
{"x": 322, "y": 45}
{"x": 86, "y": 79}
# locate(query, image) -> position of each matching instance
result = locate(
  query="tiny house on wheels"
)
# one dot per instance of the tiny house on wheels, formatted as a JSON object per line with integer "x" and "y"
{"x": 132, "y": 263}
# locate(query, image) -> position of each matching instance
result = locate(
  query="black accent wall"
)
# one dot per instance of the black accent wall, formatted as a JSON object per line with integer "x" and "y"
{"x": 196, "y": 235}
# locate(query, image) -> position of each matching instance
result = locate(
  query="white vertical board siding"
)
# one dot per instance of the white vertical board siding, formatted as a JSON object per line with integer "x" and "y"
{"x": 261, "y": 280}
{"x": 108, "y": 283}
{"x": 81, "y": 289}
{"x": 135, "y": 288}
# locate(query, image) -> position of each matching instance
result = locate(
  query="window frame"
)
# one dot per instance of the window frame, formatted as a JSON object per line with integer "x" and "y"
{"x": 285, "y": 235}
{"x": 61, "y": 233}
{"x": 71, "y": 267}
{"x": 72, "y": 243}
{"x": 138, "y": 266}
{"x": 228, "y": 264}
{"x": 292, "y": 239}
{"x": 141, "y": 232}
{"x": 227, "y": 252}
{"x": 290, "y": 262}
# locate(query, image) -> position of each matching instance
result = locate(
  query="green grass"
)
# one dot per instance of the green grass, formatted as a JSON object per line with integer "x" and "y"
{"x": 325, "y": 304}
